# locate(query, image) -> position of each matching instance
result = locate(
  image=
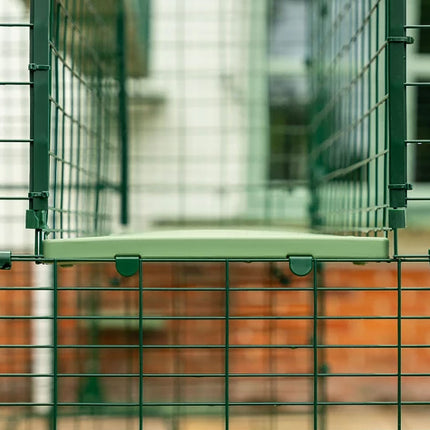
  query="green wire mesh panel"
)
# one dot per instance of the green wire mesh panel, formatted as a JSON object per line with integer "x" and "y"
{"x": 358, "y": 119}
{"x": 85, "y": 152}
{"x": 64, "y": 123}
{"x": 350, "y": 140}
{"x": 216, "y": 344}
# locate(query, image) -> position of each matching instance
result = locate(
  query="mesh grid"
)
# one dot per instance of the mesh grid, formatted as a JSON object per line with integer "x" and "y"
{"x": 85, "y": 149}
{"x": 349, "y": 152}
{"x": 225, "y": 344}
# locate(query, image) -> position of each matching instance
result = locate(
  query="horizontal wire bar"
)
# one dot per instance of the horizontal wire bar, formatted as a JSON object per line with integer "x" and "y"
{"x": 215, "y": 404}
{"x": 3, "y": 83}
{"x": 14, "y": 198}
{"x": 135, "y": 289}
{"x": 418, "y": 199}
{"x": 210, "y": 375}
{"x": 418, "y": 141}
{"x": 16, "y": 140}
{"x": 125, "y": 318}
{"x": 220, "y": 404}
{"x": 231, "y": 346}
{"x": 417, "y": 84}
{"x": 417, "y": 26}
{"x": 16, "y": 24}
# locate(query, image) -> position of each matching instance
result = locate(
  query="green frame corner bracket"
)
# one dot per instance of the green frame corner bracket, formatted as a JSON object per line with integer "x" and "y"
{"x": 127, "y": 265}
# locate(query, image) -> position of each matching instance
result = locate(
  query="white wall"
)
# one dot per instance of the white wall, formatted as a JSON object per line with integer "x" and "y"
{"x": 14, "y": 124}
{"x": 190, "y": 153}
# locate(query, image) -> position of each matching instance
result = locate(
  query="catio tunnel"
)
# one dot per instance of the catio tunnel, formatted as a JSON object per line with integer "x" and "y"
{"x": 203, "y": 211}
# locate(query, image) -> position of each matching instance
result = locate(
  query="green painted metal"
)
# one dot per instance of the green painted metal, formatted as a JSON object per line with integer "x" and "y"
{"x": 396, "y": 76}
{"x": 301, "y": 265}
{"x": 216, "y": 243}
{"x": 123, "y": 110}
{"x": 77, "y": 138}
{"x": 39, "y": 69}
{"x": 358, "y": 154}
{"x": 127, "y": 265}
{"x": 5, "y": 260}
{"x": 219, "y": 399}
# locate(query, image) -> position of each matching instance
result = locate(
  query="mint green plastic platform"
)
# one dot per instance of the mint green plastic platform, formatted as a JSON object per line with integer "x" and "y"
{"x": 194, "y": 244}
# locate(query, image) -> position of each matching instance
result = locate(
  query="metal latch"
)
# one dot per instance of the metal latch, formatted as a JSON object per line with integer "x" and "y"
{"x": 37, "y": 220}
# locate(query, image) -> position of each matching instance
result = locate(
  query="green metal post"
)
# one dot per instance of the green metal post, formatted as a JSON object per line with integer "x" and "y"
{"x": 123, "y": 114}
{"x": 39, "y": 68}
{"x": 396, "y": 70}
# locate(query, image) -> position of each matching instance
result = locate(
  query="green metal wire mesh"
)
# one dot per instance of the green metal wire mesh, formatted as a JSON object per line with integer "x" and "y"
{"x": 350, "y": 144}
{"x": 220, "y": 344}
{"x": 85, "y": 152}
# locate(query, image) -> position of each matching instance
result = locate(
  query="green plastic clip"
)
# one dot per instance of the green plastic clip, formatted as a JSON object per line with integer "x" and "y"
{"x": 37, "y": 220}
{"x": 33, "y": 67}
{"x": 127, "y": 265}
{"x": 5, "y": 260}
{"x": 300, "y": 265}
{"x": 401, "y": 39}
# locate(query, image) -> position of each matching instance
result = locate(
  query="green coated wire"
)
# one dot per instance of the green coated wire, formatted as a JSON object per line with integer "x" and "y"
{"x": 141, "y": 353}
{"x": 227, "y": 348}
{"x": 343, "y": 61}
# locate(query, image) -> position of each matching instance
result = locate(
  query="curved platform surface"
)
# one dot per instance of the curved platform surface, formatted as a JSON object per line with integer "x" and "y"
{"x": 215, "y": 243}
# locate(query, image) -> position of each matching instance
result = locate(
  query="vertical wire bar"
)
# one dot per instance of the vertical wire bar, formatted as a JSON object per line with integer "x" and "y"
{"x": 399, "y": 345}
{"x": 386, "y": 133}
{"x": 64, "y": 109}
{"x": 55, "y": 348}
{"x": 40, "y": 75}
{"x": 376, "y": 77}
{"x": 322, "y": 365}
{"x": 315, "y": 347}
{"x": 123, "y": 115}
{"x": 369, "y": 120}
{"x": 72, "y": 149}
{"x": 55, "y": 33}
{"x": 140, "y": 346}
{"x": 227, "y": 346}
{"x": 355, "y": 189}
{"x": 360, "y": 151}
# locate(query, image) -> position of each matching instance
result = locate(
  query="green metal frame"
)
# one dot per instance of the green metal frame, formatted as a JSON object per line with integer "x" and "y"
{"x": 78, "y": 114}
{"x": 40, "y": 66}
